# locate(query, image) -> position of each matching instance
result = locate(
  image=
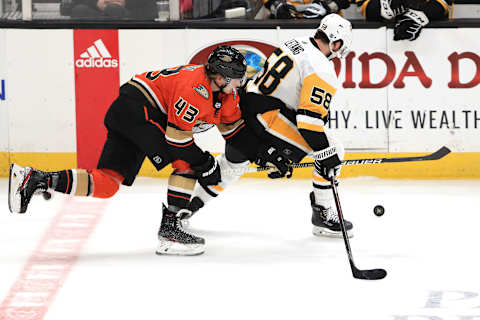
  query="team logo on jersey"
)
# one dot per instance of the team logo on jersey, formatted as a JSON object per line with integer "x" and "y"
{"x": 96, "y": 56}
{"x": 202, "y": 91}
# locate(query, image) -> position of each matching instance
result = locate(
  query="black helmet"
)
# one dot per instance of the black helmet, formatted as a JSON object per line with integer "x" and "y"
{"x": 228, "y": 62}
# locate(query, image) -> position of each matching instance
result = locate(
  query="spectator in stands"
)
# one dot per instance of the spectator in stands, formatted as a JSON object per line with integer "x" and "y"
{"x": 308, "y": 9}
{"x": 410, "y": 16}
{"x": 114, "y": 9}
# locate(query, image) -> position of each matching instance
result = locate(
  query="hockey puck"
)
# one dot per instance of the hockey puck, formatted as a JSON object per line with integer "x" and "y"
{"x": 379, "y": 210}
{"x": 47, "y": 195}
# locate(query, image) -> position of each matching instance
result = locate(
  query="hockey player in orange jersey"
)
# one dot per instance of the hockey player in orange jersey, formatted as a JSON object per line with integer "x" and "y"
{"x": 155, "y": 116}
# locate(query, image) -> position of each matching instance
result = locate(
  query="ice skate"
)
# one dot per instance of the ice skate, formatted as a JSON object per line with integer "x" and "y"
{"x": 173, "y": 240}
{"x": 326, "y": 222}
{"x": 23, "y": 183}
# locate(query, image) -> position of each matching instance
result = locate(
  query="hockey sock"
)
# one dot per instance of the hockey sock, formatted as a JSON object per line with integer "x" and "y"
{"x": 323, "y": 197}
{"x": 72, "y": 181}
{"x": 180, "y": 188}
{"x": 99, "y": 183}
{"x": 322, "y": 191}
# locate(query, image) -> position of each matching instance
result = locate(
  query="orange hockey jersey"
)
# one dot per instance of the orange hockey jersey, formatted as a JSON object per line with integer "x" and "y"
{"x": 183, "y": 93}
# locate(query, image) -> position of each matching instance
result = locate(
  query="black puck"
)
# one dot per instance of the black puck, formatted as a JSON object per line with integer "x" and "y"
{"x": 47, "y": 195}
{"x": 379, "y": 210}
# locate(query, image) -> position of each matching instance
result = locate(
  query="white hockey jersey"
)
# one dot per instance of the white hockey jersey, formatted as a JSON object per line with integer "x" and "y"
{"x": 300, "y": 75}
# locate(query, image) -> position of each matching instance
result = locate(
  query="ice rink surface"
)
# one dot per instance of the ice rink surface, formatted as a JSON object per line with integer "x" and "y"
{"x": 261, "y": 261}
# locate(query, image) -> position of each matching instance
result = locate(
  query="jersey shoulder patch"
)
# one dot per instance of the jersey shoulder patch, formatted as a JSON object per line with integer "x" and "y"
{"x": 201, "y": 90}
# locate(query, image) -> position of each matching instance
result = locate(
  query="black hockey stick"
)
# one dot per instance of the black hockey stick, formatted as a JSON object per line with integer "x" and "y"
{"x": 440, "y": 153}
{"x": 371, "y": 274}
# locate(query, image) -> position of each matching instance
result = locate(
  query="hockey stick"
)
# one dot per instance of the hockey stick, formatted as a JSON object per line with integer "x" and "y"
{"x": 440, "y": 153}
{"x": 371, "y": 274}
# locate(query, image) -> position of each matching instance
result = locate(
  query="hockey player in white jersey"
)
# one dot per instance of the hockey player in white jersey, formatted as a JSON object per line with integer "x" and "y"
{"x": 287, "y": 106}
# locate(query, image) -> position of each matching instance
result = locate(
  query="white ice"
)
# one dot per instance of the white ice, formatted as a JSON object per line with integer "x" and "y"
{"x": 262, "y": 262}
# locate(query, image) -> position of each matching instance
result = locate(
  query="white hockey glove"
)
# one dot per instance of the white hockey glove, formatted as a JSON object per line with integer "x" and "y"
{"x": 389, "y": 9}
{"x": 312, "y": 10}
{"x": 409, "y": 25}
{"x": 327, "y": 163}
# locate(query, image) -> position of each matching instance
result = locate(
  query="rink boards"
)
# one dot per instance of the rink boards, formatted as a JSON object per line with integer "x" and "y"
{"x": 396, "y": 99}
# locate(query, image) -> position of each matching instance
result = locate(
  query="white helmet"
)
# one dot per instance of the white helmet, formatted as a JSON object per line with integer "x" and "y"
{"x": 337, "y": 28}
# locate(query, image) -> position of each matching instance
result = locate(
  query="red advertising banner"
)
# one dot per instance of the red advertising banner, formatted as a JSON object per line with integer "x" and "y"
{"x": 97, "y": 81}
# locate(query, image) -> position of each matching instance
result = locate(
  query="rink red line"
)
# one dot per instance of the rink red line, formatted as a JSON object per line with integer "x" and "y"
{"x": 49, "y": 266}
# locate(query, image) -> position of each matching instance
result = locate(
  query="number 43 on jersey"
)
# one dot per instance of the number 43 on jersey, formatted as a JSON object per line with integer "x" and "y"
{"x": 185, "y": 111}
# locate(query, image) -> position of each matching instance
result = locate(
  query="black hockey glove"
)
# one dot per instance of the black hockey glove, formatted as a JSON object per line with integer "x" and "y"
{"x": 341, "y": 4}
{"x": 269, "y": 155}
{"x": 208, "y": 173}
{"x": 389, "y": 9}
{"x": 281, "y": 9}
{"x": 193, "y": 206}
{"x": 327, "y": 163}
{"x": 409, "y": 25}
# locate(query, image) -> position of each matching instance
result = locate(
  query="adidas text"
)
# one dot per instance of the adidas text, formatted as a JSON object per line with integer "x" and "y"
{"x": 96, "y": 63}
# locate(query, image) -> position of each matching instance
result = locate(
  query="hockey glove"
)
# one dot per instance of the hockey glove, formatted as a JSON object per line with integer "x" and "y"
{"x": 409, "y": 25}
{"x": 320, "y": 8}
{"x": 208, "y": 173}
{"x": 340, "y": 5}
{"x": 269, "y": 155}
{"x": 280, "y": 9}
{"x": 327, "y": 163}
{"x": 194, "y": 205}
{"x": 389, "y": 9}
{"x": 313, "y": 10}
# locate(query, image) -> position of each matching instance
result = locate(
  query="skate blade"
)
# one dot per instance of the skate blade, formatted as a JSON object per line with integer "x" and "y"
{"x": 168, "y": 247}
{"x": 15, "y": 181}
{"x": 324, "y": 232}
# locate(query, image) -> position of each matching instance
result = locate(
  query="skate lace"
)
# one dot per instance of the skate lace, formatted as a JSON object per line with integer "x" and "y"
{"x": 331, "y": 215}
{"x": 180, "y": 229}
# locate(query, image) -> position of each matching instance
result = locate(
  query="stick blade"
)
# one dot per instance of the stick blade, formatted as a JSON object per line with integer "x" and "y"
{"x": 442, "y": 152}
{"x": 372, "y": 274}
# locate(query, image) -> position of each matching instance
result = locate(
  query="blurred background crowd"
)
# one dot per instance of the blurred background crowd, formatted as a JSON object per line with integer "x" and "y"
{"x": 407, "y": 16}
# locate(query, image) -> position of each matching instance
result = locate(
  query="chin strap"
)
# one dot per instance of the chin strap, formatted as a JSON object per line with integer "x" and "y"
{"x": 227, "y": 82}
{"x": 331, "y": 55}
{"x": 340, "y": 53}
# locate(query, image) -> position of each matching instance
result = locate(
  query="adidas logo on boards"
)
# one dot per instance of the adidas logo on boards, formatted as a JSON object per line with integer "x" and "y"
{"x": 96, "y": 56}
